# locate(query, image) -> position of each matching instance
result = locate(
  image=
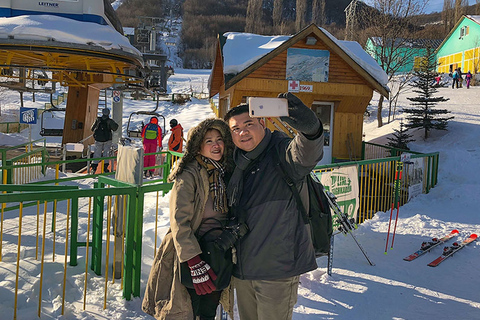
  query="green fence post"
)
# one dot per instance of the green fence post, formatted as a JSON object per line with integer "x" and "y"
{"x": 429, "y": 173}
{"x": 137, "y": 270}
{"x": 129, "y": 240}
{"x": 74, "y": 233}
{"x": 9, "y": 172}
{"x": 44, "y": 158}
{"x": 166, "y": 169}
{"x": 97, "y": 227}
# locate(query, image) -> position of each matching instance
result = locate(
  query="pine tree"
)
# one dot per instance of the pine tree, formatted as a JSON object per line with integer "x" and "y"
{"x": 423, "y": 115}
{"x": 401, "y": 138}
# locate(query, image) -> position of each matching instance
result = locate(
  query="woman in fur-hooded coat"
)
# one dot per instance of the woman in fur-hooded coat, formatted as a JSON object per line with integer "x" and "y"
{"x": 165, "y": 296}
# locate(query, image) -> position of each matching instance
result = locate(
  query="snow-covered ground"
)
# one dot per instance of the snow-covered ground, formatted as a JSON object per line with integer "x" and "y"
{"x": 392, "y": 289}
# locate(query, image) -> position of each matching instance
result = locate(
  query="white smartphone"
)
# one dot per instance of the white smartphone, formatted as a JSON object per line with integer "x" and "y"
{"x": 268, "y": 107}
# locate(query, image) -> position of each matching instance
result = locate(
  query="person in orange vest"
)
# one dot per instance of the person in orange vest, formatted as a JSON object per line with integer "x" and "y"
{"x": 175, "y": 143}
{"x": 151, "y": 138}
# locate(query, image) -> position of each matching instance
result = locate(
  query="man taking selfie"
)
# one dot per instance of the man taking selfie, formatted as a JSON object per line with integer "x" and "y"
{"x": 277, "y": 249}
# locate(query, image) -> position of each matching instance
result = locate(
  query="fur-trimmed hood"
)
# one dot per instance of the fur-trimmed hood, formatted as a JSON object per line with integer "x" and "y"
{"x": 194, "y": 143}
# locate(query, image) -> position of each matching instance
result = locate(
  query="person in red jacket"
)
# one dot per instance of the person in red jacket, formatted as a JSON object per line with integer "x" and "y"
{"x": 175, "y": 143}
{"x": 151, "y": 137}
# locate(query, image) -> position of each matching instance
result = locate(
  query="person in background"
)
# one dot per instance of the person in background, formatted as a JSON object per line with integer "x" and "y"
{"x": 460, "y": 78}
{"x": 151, "y": 138}
{"x": 455, "y": 78}
{"x": 468, "y": 78}
{"x": 175, "y": 142}
{"x": 102, "y": 133}
{"x": 198, "y": 194}
{"x": 278, "y": 247}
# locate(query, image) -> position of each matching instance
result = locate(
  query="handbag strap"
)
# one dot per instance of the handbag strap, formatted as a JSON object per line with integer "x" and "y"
{"x": 209, "y": 230}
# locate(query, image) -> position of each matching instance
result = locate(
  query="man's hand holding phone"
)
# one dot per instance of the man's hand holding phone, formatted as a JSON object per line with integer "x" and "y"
{"x": 268, "y": 107}
{"x": 301, "y": 117}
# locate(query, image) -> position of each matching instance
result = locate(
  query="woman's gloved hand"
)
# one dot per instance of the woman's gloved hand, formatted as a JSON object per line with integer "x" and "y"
{"x": 202, "y": 276}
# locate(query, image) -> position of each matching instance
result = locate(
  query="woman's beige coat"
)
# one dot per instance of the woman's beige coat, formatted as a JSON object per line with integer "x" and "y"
{"x": 165, "y": 297}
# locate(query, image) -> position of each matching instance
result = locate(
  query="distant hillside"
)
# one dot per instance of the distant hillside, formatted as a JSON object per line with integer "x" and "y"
{"x": 203, "y": 20}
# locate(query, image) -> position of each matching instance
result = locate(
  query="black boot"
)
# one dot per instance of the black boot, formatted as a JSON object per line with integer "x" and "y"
{"x": 105, "y": 168}
{"x": 93, "y": 168}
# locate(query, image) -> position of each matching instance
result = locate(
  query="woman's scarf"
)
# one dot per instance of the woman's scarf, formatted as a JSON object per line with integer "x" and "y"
{"x": 242, "y": 161}
{"x": 216, "y": 184}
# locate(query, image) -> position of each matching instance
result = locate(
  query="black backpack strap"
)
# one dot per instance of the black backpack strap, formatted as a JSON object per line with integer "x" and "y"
{"x": 293, "y": 188}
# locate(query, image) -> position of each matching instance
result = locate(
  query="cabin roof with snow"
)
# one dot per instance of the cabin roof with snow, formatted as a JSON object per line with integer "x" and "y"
{"x": 240, "y": 54}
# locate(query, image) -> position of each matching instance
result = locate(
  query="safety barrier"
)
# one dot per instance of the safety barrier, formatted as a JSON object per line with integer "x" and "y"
{"x": 375, "y": 176}
{"x": 23, "y": 163}
{"x": 215, "y": 107}
{"x": 28, "y": 196}
{"x": 376, "y": 180}
{"x": 91, "y": 211}
{"x": 84, "y": 219}
{"x": 30, "y": 166}
{"x": 12, "y": 127}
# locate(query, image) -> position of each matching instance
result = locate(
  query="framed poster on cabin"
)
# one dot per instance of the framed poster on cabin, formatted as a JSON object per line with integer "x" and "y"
{"x": 307, "y": 64}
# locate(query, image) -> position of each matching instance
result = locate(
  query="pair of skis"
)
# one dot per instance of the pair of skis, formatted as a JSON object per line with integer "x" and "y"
{"x": 447, "y": 251}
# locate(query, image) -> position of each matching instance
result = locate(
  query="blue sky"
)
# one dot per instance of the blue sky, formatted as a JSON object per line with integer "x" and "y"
{"x": 437, "y": 5}
{"x": 432, "y": 6}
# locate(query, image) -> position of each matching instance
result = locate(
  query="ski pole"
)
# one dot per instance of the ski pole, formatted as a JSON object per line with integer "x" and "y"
{"x": 389, "y": 222}
{"x": 397, "y": 197}
{"x": 393, "y": 204}
{"x": 346, "y": 225}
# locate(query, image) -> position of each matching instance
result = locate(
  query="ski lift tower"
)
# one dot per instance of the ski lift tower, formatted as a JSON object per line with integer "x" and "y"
{"x": 146, "y": 41}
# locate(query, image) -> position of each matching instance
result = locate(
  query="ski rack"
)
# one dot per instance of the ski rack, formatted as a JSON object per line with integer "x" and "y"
{"x": 346, "y": 227}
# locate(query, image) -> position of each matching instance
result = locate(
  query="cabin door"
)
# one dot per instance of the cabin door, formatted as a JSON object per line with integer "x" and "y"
{"x": 324, "y": 111}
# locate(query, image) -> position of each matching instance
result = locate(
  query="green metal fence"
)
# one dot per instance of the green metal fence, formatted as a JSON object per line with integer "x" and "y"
{"x": 99, "y": 216}
{"x": 376, "y": 180}
{"x": 12, "y": 127}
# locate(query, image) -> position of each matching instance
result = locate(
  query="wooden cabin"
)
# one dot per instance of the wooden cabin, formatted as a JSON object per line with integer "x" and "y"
{"x": 334, "y": 78}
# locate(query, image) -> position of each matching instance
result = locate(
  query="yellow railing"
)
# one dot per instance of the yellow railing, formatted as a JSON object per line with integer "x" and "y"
{"x": 376, "y": 181}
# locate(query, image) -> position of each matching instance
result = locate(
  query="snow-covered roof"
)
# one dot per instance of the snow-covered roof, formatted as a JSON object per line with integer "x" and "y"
{"x": 475, "y": 18}
{"x": 59, "y": 29}
{"x": 241, "y": 50}
{"x": 364, "y": 60}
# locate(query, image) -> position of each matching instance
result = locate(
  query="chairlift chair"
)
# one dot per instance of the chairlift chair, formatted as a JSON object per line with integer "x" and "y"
{"x": 137, "y": 133}
{"x": 50, "y": 132}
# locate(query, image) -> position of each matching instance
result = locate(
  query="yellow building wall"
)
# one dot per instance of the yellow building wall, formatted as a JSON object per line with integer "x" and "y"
{"x": 467, "y": 60}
